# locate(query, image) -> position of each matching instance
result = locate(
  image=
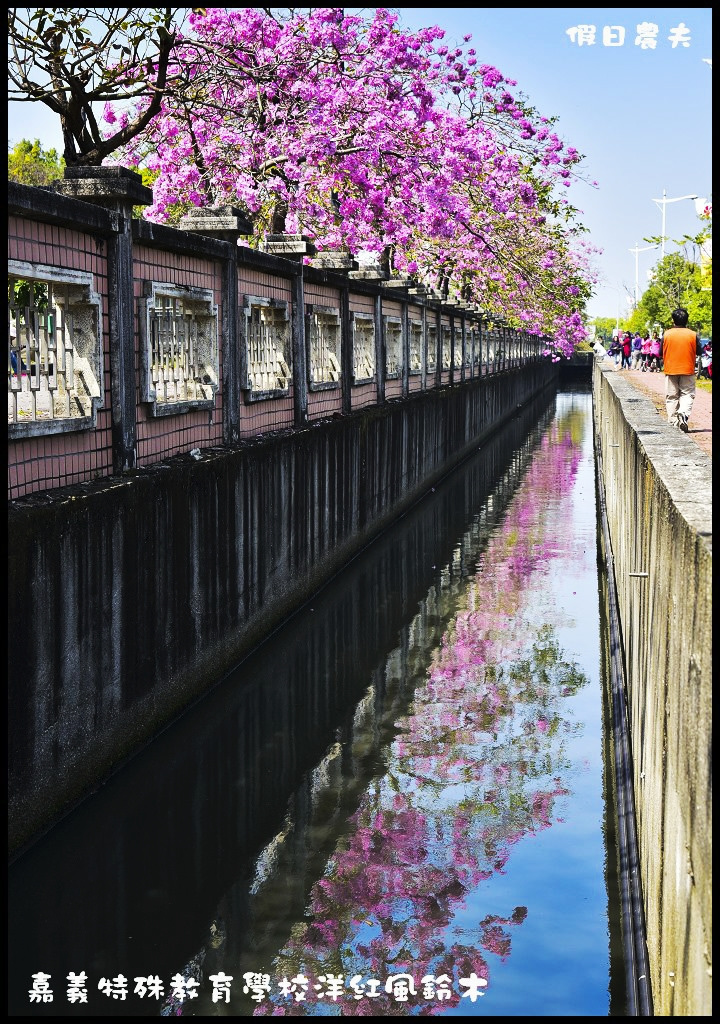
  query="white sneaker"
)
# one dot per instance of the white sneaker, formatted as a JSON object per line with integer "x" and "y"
{"x": 683, "y": 422}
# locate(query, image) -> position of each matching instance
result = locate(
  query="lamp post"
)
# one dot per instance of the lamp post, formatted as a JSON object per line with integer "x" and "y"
{"x": 662, "y": 203}
{"x": 636, "y": 250}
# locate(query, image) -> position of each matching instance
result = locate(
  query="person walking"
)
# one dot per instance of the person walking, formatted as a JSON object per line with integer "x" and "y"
{"x": 655, "y": 353}
{"x": 636, "y": 351}
{"x": 705, "y": 367}
{"x": 680, "y": 349}
{"x": 626, "y": 351}
{"x": 615, "y": 352}
{"x": 645, "y": 353}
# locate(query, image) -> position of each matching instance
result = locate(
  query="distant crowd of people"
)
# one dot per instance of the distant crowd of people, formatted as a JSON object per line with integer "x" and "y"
{"x": 635, "y": 352}
{"x": 679, "y": 354}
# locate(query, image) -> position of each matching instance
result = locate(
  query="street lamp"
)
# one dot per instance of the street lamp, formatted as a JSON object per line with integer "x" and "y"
{"x": 663, "y": 203}
{"x": 636, "y": 250}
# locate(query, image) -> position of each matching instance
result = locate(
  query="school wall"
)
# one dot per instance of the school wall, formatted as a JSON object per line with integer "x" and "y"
{"x": 148, "y": 552}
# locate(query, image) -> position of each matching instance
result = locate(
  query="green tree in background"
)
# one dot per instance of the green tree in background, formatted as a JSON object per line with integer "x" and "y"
{"x": 604, "y": 327}
{"x": 676, "y": 281}
{"x": 30, "y": 164}
{"x": 680, "y": 279}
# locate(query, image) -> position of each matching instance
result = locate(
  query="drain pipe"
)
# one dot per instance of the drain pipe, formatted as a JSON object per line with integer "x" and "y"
{"x": 637, "y": 968}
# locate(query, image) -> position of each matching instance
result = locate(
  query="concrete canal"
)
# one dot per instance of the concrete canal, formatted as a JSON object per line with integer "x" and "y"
{"x": 396, "y": 806}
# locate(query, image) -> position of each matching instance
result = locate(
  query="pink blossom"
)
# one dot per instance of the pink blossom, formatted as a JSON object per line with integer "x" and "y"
{"x": 377, "y": 127}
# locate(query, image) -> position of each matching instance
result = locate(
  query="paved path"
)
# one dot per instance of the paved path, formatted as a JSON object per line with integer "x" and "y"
{"x": 700, "y": 425}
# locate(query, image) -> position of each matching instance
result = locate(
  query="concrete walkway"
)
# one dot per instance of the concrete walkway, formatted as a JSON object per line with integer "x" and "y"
{"x": 653, "y": 386}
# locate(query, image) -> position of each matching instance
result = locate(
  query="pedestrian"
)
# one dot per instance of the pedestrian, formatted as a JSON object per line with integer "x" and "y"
{"x": 645, "y": 353}
{"x": 599, "y": 349}
{"x": 636, "y": 351}
{"x": 615, "y": 352}
{"x": 655, "y": 352}
{"x": 680, "y": 350}
{"x": 704, "y": 368}
{"x": 626, "y": 351}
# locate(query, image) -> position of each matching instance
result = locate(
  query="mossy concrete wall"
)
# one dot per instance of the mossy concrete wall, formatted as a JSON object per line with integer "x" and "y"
{"x": 658, "y": 491}
{"x": 130, "y": 598}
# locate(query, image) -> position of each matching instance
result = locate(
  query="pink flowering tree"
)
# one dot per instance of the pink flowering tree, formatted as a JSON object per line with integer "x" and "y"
{"x": 370, "y": 138}
{"x": 348, "y": 129}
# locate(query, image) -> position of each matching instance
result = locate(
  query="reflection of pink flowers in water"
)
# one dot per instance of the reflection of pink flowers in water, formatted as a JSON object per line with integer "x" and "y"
{"x": 454, "y": 799}
{"x": 495, "y": 940}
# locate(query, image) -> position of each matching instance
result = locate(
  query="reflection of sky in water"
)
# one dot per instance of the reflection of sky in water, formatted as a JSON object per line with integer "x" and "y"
{"x": 491, "y": 797}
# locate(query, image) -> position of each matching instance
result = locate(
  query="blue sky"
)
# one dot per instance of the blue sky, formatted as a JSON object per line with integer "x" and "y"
{"x": 641, "y": 117}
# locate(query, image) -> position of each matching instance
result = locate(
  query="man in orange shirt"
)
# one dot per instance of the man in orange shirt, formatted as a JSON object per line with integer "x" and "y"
{"x": 681, "y": 348}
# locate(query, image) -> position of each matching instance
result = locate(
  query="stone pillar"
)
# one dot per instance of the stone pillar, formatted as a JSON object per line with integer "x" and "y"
{"x": 405, "y": 321}
{"x": 452, "y": 305}
{"x": 399, "y": 288}
{"x": 118, "y": 189}
{"x": 423, "y": 320}
{"x": 419, "y": 290}
{"x": 224, "y": 222}
{"x": 368, "y": 274}
{"x": 341, "y": 262}
{"x": 346, "y": 349}
{"x": 292, "y": 247}
{"x": 462, "y": 332}
{"x": 397, "y": 284}
{"x": 299, "y": 350}
{"x": 227, "y": 224}
{"x": 434, "y": 312}
{"x": 453, "y": 342}
{"x": 380, "y": 349}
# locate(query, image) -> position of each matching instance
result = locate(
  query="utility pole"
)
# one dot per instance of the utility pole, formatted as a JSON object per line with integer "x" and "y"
{"x": 636, "y": 250}
{"x": 662, "y": 203}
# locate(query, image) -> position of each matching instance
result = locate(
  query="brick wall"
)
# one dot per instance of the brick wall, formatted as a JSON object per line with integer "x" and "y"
{"x": 89, "y": 230}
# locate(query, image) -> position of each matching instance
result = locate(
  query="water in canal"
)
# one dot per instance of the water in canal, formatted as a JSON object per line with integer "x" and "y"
{"x": 394, "y": 808}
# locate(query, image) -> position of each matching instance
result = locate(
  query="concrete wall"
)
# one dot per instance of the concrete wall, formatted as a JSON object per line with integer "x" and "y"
{"x": 270, "y": 724}
{"x": 658, "y": 490}
{"x": 132, "y": 596}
